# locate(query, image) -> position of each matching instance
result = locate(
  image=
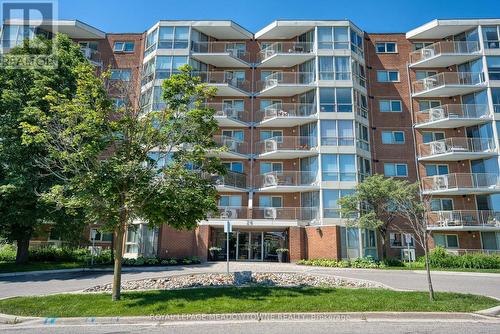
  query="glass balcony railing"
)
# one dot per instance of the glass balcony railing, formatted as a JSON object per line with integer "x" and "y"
{"x": 453, "y": 112}
{"x": 459, "y": 146}
{"x": 463, "y": 218}
{"x": 461, "y": 182}
{"x": 286, "y": 110}
{"x": 285, "y": 48}
{"x": 231, "y": 179}
{"x": 230, "y": 212}
{"x": 444, "y": 48}
{"x": 286, "y": 78}
{"x": 286, "y": 213}
{"x": 92, "y": 55}
{"x": 286, "y": 143}
{"x": 448, "y": 79}
{"x": 229, "y": 111}
{"x": 232, "y": 145}
{"x": 286, "y": 179}
{"x": 223, "y": 78}
{"x": 228, "y": 48}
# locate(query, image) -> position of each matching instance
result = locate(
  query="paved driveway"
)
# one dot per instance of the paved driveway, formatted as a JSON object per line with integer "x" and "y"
{"x": 476, "y": 283}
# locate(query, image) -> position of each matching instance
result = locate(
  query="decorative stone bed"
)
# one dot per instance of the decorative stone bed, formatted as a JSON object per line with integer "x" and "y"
{"x": 239, "y": 279}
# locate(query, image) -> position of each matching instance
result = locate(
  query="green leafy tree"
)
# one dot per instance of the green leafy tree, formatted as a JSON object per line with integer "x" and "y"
{"x": 371, "y": 206}
{"x": 22, "y": 179}
{"x": 127, "y": 166}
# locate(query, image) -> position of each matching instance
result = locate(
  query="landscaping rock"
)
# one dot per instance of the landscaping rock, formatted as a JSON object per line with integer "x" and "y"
{"x": 238, "y": 279}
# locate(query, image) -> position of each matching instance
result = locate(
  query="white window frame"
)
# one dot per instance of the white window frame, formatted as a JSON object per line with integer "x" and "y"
{"x": 385, "y": 47}
{"x": 396, "y": 169}
{"x": 121, "y": 71}
{"x": 433, "y": 133}
{"x": 271, "y": 197}
{"x": 122, "y": 50}
{"x": 390, "y": 105}
{"x": 393, "y": 140}
{"x": 231, "y": 165}
{"x": 441, "y": 203}
{"x": 403, "y": 240}
{"x": 437, "y": 167}
{"x": 101, "y": 235}
{"x": 446, "y": 240}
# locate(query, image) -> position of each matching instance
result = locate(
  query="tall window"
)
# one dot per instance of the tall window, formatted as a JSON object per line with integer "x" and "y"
{"x": 493, "y": 67}
{"x": 338, "y": 167}
{"x": 151, "y": 42}
{"x": 173, "y": 38}
{"x": 333, "y": 38}
{"x": 357, "y": 43}
{"x": 331, "y": 207}
{"x": 337, "y": 133}
{"x": 335, "y": 99}
{"x": 334, "y": 68}
{"x": 490, "y": 37}
{"x": 495, "y": 96}
{"x": 168, "y": 65}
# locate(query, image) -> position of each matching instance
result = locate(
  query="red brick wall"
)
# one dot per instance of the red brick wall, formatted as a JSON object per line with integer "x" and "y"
{"x": 323, "y": 242}
{"x": 296, "y": 244}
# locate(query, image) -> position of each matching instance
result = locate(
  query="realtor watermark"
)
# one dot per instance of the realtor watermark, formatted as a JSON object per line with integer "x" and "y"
{"x": 22, "y": 22}
{"x": 251, "y": 317}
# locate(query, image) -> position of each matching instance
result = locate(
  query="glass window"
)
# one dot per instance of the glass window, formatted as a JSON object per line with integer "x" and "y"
{"x": 230, "y": 200}
{"x": 268, "y": 167}
{"x": 432, "y": 169}
{"x": 270, "y": 201}
{"x": 424, "y": 74}
{"x": 395, "y": 170}
{"x": 387, "y": 76}
{"x": 333, "y": 38}
{"x": 390, "y": 105}
{"x": 337, "y": 133}
{"x": 427, "y": 104}
{"x": 451, "y": 241}
{"x": 386, "y": 47}
{"x": 121, "y": 74}
{"x": 490, "y": 37}
{"x": 234, "y": 166}
{"x": 338, "y": 167}
{"x": 334, "y": 68}
{"x": 331, "y": 208}
{"x": 442, "y": 204}
{"x": 335, "y": 99}
{"x": 495, "y": 96}
{"x": 123, "y": 47}
{"x": 393, "y": 137}
{"x": 267, "y": 134}
{"x": 493, "y": 67}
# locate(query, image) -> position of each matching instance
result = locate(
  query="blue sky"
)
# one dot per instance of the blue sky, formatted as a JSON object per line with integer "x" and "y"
{"x": 372, "y": 16}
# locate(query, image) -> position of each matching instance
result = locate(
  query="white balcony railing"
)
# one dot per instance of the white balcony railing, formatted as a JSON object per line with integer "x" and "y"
{"x": 286, "y": 213}
{"x": 286, "y": 179}
{"x": 285, "y": 48}
{"x": 453, "y": 112}
{"x": 444, "y": 48}
{"x": 461, "y": 181}
{"x": 463, "y": 218}
{"x": 286, "y": 143}
{"x": 228, "y": 48}
{"x": 286, "y": 110}
{"x": 448, "y": 79}
{"x": 457, "y": 145}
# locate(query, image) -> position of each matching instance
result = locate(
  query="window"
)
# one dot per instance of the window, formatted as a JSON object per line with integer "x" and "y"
{"x": 428, "y": 137}
{"x": 101, "y": 236}
{"x": 357, "y": 43}
{"x": 493, "y": 67}
{"x": 432, "y": 169}
{"x": 495, "y": 96}
{"x": 338, "y": 167}
{"x": 333, "y": 38}
{"x": 395, "y": 170}
{"x": 386, "y": 47}
{"x": 334, "y": 68}
{"x": 331, "y": 207}
{"x": 160, "y": 159}
{"x": 121, "y": 74}
{"x": 234, "y": 166}
{"x": 337, "y": 133}
{"x": 230, "y": 200}
{"x": 446, "y": 240}
{"x": 490, "y": 37}
{"x": 390, "y": 105}
{"x": 421, "y": 45}
{"x": 268, "y": 167}
{"x": 393, "y": 137}
{"x": 173, "y": 38}
{"x": 123, "y": 47}
{"x": 267, "y": 134}
{"x": 427, "y": 104}
{"x": 364, "y": 168}
{"x": 238, "y": 135}
{"x": 271, "y": 201}
{"x": 151, "y": 42}
{"x": 424, "y": 74}
{"x": 132, "y": 241}
{"x": 119, "y": 103}
{"x": 398, "y": 240}
{"x": 230, "y": 106}
{"x": 168, "y": 65}
{"x": 335, "y": 99}
{"x": 387, "y": 76}
{"x": 442, "y": 204}
{"x": 362, "y": 136}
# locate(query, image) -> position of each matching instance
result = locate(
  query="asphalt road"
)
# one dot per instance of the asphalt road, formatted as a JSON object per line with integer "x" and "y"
{"x": 276, "y": 327}
{"x": 476, "y": 283}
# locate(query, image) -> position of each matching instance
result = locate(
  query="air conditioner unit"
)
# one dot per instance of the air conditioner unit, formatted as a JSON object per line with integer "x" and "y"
{"x": 436, "y": 114}
{"x": 270, "y": 145}
{"x": 229, "y": 214}
{"x": 440, "y": 182}
{"x": 270, "y": 180}
{"x": 427, "y": 53}
{"x": 271, "y": 112}
{"x": 271, "y": 82}
{"x": 270, "y": 213}
{"x": 429, "y": 83}
{"x": 438, "y": 147}
{"x": 231, "y": 144}
{"x": 408, "y": 254}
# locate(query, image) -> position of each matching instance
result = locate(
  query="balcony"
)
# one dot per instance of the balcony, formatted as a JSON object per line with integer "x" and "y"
{"x": 220, "y": 54}
{"x": 93, "y": 56}
{"x": 230, "y": 212}
{"x": 467, "y": 220}
{"x": 286, "y": 115}
{"x": 231, "y": 182}
{"x": 225, "y": 82}
{"x": 456, "y": 149}
{"x": 234, "y": 149}
{"x": 227, "y": 115}
{"x": 287, "y": 181}
{"x": 444, "y": 54}
{"x": 288, "y": 147}
{"x": 286, "y": 54}
{"x": 461, "y": 184}
{"x": 448, "y": 84}
{"x": 450, "y": 116}
{"x": 293, "y": 214}
{"x": 286, "y": 84}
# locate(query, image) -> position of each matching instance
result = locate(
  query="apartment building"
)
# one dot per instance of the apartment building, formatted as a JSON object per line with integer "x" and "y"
{"x": 307, "y": 110}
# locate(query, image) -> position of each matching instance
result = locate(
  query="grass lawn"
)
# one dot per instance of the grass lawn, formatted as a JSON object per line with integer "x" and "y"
{"x": 238, "y": 300}
{"x": 10, "y": 267}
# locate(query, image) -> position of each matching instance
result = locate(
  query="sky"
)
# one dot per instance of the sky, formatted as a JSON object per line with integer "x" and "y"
{"x": 371, "y": 16}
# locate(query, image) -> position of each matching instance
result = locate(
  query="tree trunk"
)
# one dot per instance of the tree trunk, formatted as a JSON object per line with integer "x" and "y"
{"x": 117, "y": 273}
{"x": 22, "y": 254}
{"x": 428, "y": 269}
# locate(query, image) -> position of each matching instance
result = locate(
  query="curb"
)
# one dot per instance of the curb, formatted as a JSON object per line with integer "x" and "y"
{"x": 491, "y": 312}
{"x": 253, "y": 317}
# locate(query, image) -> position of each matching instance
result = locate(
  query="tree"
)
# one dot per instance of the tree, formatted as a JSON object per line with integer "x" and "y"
{"x": 128, "y": 166}
{"x": 370, "y": 206}
{"x": 412, "y": 207}
{"x": 22, "y": 92}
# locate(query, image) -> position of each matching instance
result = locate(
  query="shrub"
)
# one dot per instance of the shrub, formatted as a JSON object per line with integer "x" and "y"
{"x": 440, "y": 258}
{"x": 393, "y": 262}
{"x": 7, "y": 253}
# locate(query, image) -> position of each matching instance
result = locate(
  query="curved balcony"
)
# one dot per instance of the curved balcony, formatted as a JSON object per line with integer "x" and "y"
{"x": 225, "y": 82}
{"x": 444, "y": 54}
{"x": 287, "y": 181}
{"x": 286, "y": 115}
{"x": 227, "y": 115}
{"x": 220, "y": 54}
{"x": 293, "y": 215}
{"x": 448, "y": 84}
{"x": 234, "y": 149}
{"x": 285, "y": 54}
{"x": 230, "y": 212}
{"x": 450, "y": 116}
{"x": 461, "y": 184}
{"x": 286, "y": 84}
{"x": 456, "y": 149}
{"x": 231, "y": 182}
{"x": 468, "y": 220}
{"x": 287, "y": 147}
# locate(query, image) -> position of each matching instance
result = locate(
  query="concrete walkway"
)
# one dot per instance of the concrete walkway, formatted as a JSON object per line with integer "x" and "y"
{"x": 476, "y": 283}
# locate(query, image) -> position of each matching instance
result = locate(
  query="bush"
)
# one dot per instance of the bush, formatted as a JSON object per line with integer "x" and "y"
{"x": 367, "y": 262}
{"x": 393, "y": 262}
{"x": 154, "y": 261}
{"x": 7, "y": 253}
{"x": 56, "y": 254}
{"x": 440, "y": 258}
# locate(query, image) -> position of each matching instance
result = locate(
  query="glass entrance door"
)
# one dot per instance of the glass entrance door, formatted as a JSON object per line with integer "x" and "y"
{"x": 243, "y": 246}
{"x": 256, "y": 246}
{"x": 249, "y": 246}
